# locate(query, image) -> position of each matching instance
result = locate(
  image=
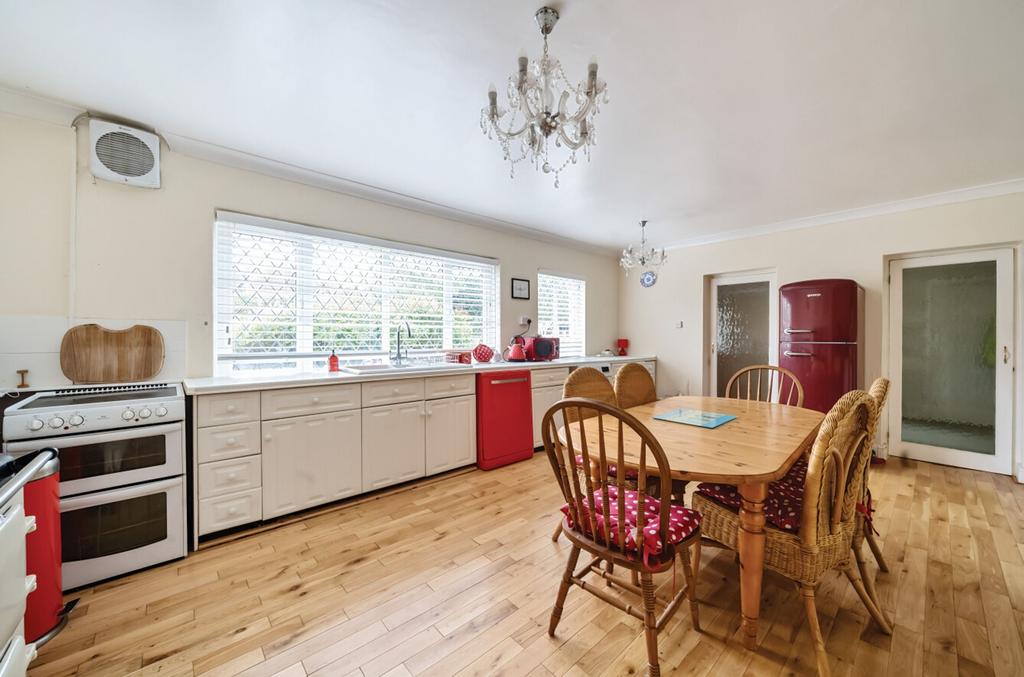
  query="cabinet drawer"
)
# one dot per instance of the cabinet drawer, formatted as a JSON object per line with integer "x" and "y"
{"x": 549, "y": 377}
{"x": 228, "y": 441}
{"x": 305, "y": 401}
{"x": 228, "y": 408}
{"x": 225, "y": 477}
{"x": 392, "y": 392}
{"x": 450, "y": 386}
{"x": 230, "y": 510}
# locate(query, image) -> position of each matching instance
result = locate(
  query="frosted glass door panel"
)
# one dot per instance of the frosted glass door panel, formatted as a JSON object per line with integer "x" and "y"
{"x": 949, "y": 356}
{"x": 743, "y": 329}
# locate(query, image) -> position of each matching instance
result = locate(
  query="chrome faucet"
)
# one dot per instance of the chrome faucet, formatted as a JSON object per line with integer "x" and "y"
{"x": 397, "y": 361}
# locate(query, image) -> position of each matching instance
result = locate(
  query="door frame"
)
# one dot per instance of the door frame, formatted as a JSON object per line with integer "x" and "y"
{"x": 892, "y": 353}
{"x": 711, "y": 284}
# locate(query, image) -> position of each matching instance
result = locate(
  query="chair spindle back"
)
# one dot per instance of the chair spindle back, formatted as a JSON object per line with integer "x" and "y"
{"x": 585, "y": 492}
{"x": 766, "y": 383}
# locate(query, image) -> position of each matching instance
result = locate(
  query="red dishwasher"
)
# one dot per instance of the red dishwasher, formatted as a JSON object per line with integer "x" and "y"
{"x": 504, "y": 418}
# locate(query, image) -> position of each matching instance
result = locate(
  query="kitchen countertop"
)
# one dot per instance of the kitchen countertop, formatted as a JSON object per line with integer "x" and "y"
{"x": 295, "y": 379}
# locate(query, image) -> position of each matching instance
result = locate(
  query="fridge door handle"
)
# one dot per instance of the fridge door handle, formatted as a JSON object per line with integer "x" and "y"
{"x": 501, "y": 381}
{"x": 790, "y": 353}
{"x": 787, "y": 330}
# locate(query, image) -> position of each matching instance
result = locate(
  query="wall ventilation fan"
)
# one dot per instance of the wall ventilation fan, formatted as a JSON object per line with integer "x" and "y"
{"x": 124, "y": 154}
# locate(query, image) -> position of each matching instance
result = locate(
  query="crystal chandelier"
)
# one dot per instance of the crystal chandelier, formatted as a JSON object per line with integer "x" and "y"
{"x": 644, "y": 258}
{"x": 537, "y": 113}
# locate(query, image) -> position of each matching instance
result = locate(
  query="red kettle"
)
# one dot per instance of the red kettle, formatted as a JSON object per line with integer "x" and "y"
{"x": 515, "y": 351}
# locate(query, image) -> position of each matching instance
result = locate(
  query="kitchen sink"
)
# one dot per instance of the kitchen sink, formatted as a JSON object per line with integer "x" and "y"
{"x": 387, "y": 368}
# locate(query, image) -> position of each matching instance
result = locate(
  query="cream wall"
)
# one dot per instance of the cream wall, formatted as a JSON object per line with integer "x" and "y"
{"x": 853, "y": 249}
{"x": 148, "y": 253}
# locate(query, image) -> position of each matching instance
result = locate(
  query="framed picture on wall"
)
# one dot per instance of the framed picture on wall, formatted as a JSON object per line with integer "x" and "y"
{"x": 520, "y": 289}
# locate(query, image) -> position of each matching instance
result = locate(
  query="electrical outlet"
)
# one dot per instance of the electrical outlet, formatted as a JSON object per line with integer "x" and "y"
{"x": 525, "y": 320}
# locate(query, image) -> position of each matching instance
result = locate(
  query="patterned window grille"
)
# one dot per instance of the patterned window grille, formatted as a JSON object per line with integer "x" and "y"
{"x": 562, "y": 312}
{"x": 286, "y": 295}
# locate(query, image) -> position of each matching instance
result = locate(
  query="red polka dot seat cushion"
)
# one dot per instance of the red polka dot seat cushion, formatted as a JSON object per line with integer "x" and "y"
{"x": 782, "y": 508}
{"x": 631, "y": 474}
{"x": 682, "y": 521}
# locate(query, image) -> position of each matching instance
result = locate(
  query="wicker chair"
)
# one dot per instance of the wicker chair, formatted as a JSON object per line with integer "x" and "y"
{"x": 646, "y": 541}
{"x": 634, "y": 386}
{"x": 830, "y": 492}
{"x": 766, "y": 383}
{"x": 865, "y": 529}
{"x": 589, "y": 383}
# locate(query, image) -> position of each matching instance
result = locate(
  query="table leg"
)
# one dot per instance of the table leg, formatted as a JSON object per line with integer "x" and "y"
{"x": 750, "y": 546}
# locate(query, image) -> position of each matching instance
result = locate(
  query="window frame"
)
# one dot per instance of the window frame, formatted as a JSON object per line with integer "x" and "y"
{"x": 583, "y": 310}
{"x": 226, "y": 360}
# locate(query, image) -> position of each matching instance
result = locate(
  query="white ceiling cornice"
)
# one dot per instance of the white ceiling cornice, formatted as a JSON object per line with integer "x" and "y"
{"x": 27, "y": 105}
{"x": 933, "y": 200}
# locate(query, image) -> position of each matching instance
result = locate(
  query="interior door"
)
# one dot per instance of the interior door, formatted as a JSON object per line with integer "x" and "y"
{"x": 744, "y": 326}
{"x": 951, "y": 338}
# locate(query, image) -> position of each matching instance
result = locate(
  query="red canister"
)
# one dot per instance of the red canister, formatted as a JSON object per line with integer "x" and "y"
{"x": 45, "y": 605}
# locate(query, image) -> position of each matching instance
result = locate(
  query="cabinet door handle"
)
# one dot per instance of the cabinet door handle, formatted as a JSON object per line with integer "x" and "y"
{"x": 267, "y": 437}
{"x": 790, "y": 353}
{"x": 787, "y": 330}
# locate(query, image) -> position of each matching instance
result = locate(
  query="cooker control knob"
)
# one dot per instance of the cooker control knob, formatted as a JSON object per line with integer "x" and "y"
{"x": 145, "y": 413}
{"x": 161, "y": 411}
{"x": 128, "y": 414}
{"x": 36, "y": 424}
{"x": 75, "y": 419}
{"x": 56, "y": 422}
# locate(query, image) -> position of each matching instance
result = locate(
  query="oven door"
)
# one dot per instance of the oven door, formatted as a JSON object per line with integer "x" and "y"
{"x": 96, "y": 461}
{"x": 108, "y": 533}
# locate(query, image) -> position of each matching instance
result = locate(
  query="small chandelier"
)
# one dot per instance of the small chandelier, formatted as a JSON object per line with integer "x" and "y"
{"x": 644, "y": 258}
{"x": 537, "y": 115}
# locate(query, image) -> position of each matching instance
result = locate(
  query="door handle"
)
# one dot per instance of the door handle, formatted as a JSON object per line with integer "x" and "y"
{"x": 1006, "y": 355}
{"x": 789, "y": 353}
{"x": 787, "y": 330}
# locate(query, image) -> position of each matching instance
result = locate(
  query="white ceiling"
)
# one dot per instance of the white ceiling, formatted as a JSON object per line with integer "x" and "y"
{"x": 723, "y": 115}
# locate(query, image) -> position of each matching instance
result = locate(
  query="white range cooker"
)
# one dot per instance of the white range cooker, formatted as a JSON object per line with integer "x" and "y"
{"x": 122, "y": 483}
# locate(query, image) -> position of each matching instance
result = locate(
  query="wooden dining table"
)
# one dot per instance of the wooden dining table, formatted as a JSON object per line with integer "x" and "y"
{"x": 757, "y": 447}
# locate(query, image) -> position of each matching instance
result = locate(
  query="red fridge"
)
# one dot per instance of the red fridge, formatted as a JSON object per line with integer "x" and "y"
{"x": 821, "y": 338}
{"x": 504, "y": 418}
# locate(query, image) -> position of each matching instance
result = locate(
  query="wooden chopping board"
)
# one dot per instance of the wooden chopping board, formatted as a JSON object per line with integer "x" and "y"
{"x": 90, "y": 353}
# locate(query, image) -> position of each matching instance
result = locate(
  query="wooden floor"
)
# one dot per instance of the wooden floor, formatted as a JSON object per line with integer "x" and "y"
{"x": 457, "y": 577}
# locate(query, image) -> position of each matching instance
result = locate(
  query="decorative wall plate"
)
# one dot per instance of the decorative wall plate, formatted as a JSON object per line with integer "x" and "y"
{"x": 648, "y": 278}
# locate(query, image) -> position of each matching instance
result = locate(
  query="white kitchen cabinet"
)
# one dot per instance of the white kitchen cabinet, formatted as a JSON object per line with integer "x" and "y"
{"x": 393, "y": 444}
{"x": 543, "y": 398}
{"x": 310, "y": 460}
{"x": 450, "y": 433}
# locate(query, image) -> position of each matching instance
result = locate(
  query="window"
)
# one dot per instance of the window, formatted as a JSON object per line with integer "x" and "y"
{"x": 562, "y": 312}
{"x": 294, "y": 293}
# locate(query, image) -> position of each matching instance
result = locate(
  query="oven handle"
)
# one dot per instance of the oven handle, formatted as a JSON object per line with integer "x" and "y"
{"x": 93, "y": 438}
{"x": 113, "y": 495}
{"x": 18, "y": 482}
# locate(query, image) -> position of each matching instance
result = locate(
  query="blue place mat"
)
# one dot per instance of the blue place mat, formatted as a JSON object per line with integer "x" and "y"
{"x": 695, "y": 417}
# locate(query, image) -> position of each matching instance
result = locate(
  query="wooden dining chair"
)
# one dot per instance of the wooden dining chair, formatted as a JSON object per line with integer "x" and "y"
{"x": 616, "y": 525}
{"x": 766, "y": 383}
{"x": 634, "y": 386}
{"x": 811, "y": 514}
